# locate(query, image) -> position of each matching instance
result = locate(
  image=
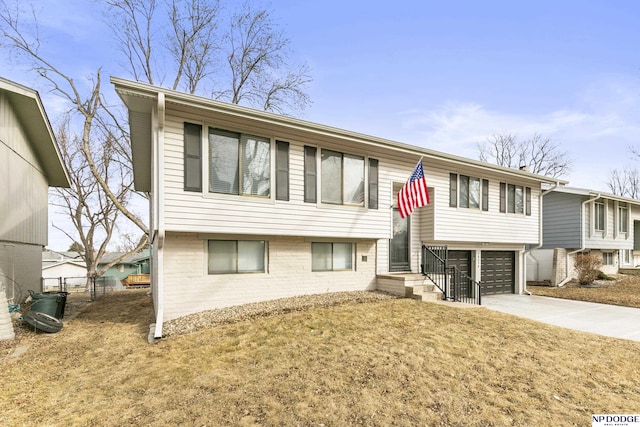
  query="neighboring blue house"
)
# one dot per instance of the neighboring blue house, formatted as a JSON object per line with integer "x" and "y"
{"x": 577, "y": 220}
{"x": 137, "y": 263}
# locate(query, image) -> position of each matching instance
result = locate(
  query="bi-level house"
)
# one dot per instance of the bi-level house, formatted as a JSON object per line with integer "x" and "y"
{"x": 248, "y": 205}
{"x": 29, "y": 163}
{"x": 577, "y": 220}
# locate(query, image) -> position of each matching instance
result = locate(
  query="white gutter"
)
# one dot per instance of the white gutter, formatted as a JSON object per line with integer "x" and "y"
{"x": 540, "y": 231}
{"x": 582, "y": 241}
{"x": 158, "y": 155}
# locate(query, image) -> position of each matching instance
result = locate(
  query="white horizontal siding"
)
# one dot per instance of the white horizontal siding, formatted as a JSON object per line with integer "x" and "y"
{"x": 221, "y": 213}
{"x": 188, "y": 288}
{"x": 474, "y": 225}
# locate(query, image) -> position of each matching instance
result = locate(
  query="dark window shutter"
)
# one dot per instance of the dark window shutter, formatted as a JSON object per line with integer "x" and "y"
{"x": 485, "y": 195}
{"x": 373, "y": 184}
{"x": 310, "y": 174}
{"x": 503, "y": 197}
{"x": 453, "y": 190}
{"x": 192, "y": 157}
{"x": 528, "y": 201}
{"x": 282, "y": 170}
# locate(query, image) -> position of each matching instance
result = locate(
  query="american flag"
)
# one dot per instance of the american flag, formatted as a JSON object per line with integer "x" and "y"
{"x": 414, "y": 193}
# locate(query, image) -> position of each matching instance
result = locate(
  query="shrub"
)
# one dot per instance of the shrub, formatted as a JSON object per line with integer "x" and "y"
{"x": 587, "y": 266}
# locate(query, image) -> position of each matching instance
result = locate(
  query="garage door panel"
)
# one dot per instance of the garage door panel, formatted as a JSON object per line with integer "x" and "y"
{"x": 498, "y": 272}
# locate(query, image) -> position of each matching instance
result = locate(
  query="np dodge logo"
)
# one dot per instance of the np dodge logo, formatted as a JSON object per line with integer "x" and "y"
{"x": 615, "y": 420}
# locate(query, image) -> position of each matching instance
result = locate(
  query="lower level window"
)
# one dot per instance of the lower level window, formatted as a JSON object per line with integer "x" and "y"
{"x": 236, "y": 256}
{"x": 607, "y": 258}
{"x": 331, "y": 256}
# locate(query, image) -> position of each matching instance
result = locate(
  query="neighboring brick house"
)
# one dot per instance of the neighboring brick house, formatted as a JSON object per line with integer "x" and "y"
{"x": 248, "y": 205}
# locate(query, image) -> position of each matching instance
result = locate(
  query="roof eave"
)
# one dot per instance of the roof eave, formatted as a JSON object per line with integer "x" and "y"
{"x": 141, "y": 98}
{"x": 30, "y": 110}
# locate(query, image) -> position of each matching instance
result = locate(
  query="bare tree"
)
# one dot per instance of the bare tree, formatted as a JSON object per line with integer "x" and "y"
{"x": 135, "y": 34}
{"x": 625, "y": 182}
{"x": 540, "y": 155}
{"x": 181, "y": 37}
{"x": 93, "y": 214}
{"x": 94, "y": 156}
{"x": 245, "y": 61}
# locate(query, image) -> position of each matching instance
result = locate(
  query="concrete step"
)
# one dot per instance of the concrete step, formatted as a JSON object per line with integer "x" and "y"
{"x": 423, "y": 292}
{"x": 431, "y": 296}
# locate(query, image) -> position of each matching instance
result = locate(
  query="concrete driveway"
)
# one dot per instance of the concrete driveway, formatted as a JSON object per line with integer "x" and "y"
{"x": 602, "y": 319}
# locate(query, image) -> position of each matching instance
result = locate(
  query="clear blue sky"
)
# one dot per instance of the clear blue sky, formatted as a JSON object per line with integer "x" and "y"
{"x": 442, "y": 74}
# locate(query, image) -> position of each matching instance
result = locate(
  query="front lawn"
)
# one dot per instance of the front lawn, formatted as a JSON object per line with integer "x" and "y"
{"x": 394, "y": 362}
{"x": 624, "y": 291}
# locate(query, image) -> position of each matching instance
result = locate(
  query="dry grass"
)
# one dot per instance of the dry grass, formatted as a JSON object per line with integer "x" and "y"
{"x": 397, "y": 362}
{"x": 624, "y": 291}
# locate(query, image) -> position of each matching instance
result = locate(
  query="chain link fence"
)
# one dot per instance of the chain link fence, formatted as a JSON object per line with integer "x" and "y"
{"x": 97, "y": 286}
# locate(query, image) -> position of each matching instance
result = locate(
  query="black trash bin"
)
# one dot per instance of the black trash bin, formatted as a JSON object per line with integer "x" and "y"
{"x": 51, "y": 303}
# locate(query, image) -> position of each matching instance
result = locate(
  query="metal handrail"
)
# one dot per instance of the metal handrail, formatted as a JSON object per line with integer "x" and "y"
{"x": 453, "y": 283}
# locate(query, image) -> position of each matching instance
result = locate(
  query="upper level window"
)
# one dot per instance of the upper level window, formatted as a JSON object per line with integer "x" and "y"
{"x": 239, "y": 164}
{"x": 598, "y": 216}
{"x": 515, "y": 199}
{"x": 468, "y": 192}
{"x": 623, "y": 217}
{"x": 342, "y": 178}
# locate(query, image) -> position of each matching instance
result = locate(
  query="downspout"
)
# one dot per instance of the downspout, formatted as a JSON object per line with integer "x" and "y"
{"x": 158, "y": 161}
{"x": 582, "y": 241}
{"x": 526, "y": 252}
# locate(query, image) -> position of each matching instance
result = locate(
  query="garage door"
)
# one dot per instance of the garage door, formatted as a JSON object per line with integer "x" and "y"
{"x": 461, "y": 260}
{"x": 498, "y": 272}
